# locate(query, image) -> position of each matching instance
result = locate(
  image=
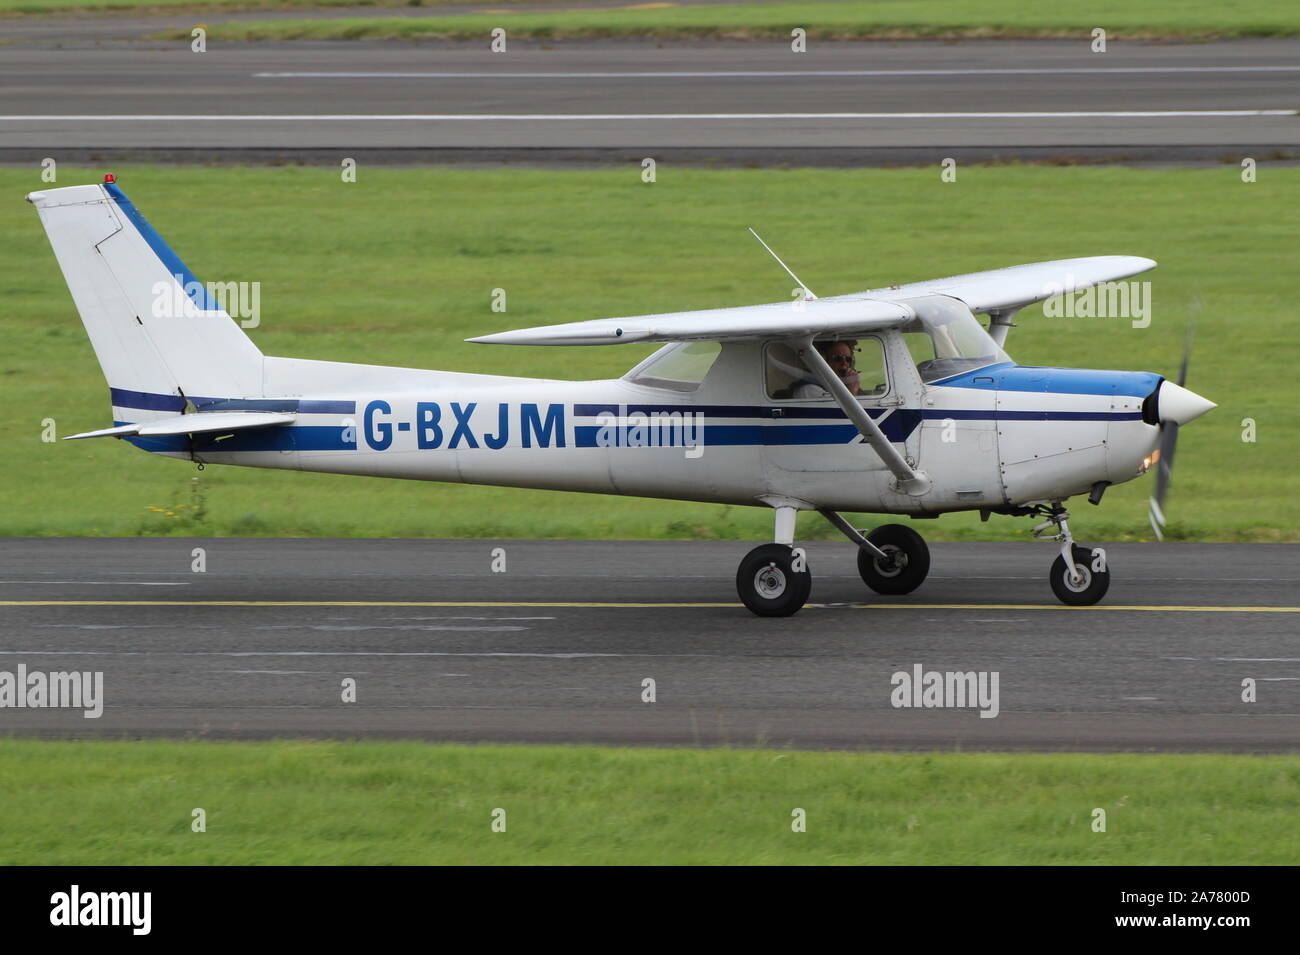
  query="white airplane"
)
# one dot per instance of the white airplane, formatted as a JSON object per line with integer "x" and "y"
{"x": 923, "y": 413}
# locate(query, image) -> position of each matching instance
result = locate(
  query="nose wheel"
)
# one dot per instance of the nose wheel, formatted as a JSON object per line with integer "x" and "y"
{"x": 773, "y": 580}
{"x": 1080, "y": 577}
{"x": 1089, "y": 580}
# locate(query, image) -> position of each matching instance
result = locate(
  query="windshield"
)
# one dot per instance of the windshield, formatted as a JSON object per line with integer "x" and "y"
{"x": 945, "y": 339}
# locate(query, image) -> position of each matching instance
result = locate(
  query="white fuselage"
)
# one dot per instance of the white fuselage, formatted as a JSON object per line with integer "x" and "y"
{"x": 995, "y": 438}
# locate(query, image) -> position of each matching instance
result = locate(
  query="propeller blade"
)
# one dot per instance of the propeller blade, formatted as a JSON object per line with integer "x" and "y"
{"x": 1164, "y": 471}
{"x": 1187, "y": 353}
{"x": 1168, "y": 445}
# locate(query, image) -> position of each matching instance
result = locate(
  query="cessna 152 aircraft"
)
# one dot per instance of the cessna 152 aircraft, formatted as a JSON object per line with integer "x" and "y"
{"x": 923, "y": 413}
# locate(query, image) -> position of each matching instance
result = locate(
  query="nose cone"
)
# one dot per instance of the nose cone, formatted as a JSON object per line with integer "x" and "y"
{"x": 1178, "y": 405}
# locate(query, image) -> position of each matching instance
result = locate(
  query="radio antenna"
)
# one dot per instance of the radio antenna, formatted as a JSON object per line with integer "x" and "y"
{"x": 807, "y": 292}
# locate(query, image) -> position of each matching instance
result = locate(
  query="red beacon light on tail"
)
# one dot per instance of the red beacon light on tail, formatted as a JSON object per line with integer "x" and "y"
{"x": 109, "y": 178}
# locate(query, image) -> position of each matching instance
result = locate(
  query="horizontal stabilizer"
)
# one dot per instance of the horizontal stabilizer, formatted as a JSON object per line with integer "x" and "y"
{"x": 200, "y": 423}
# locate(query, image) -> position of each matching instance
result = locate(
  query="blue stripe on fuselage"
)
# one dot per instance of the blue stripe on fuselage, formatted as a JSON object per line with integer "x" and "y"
{"x": 757, "y": 435}
{"x": 278, "y": 438}
{"x": 897, "y": 428}
{"x": 149, "y": 401}
{"x": 774, "y": 429}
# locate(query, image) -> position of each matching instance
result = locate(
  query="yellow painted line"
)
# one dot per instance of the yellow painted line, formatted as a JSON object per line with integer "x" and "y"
{"x": 339, "y": 603}
{"x": 1130, "y": 608}
{"x": 1170, "y": 608}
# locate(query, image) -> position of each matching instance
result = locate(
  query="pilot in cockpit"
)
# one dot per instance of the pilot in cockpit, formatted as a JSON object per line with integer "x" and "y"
{"x": 840, "y": 356}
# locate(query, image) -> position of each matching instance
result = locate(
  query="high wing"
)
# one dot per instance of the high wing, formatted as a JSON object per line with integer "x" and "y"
{"x": 746, "y": 323}
{"x": 861, "y": 312}
{"x": 200, "y": 423}
{"x": 1017, "y": 286}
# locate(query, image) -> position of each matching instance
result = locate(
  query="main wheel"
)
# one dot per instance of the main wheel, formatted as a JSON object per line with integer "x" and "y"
{"x": 769, "y": 583}
{"x": 907, "y": 560}
{"x": 1093, "y": 580}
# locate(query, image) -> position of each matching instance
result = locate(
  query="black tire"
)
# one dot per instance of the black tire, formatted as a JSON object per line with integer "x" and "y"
{"x": 1093, "y": 583}
{"x": 769, "y": 585}
{"x": 909, "y": 565}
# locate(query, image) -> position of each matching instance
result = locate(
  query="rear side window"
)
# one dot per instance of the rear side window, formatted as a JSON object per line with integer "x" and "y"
{"x": 679, "y": 367}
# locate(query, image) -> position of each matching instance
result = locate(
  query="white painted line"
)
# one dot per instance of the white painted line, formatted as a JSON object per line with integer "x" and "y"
{"x": 468, "y": 618}
{"x": 634, "y": 117}
{"x": 347, "y": 628}
{"x": 345, "y": 75}
{"x": 105, "y": 583}
{"x": 329, "y": 653}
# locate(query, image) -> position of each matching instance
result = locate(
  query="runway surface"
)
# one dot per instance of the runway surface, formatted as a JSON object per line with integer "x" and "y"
{"x": 556, "y": 647}
{"x": 840, "y": 103}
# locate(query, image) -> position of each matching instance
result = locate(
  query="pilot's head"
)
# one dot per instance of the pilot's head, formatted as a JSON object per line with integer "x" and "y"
{"x": 839, "y": 355}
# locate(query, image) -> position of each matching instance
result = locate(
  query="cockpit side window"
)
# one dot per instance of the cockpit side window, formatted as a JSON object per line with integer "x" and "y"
{"x": 860, "y": 364}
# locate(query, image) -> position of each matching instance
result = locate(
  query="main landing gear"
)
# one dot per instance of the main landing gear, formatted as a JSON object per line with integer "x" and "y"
{"x": 774, "y": 579}
{"x": 1079, "y": 576}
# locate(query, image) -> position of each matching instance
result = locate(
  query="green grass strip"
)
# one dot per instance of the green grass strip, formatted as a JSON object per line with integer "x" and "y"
{"x": 291, "y": 803}
{"x": 847, "y": 20}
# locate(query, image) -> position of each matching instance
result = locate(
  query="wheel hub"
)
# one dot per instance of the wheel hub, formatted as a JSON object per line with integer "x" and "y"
{"x": 893, "y": 563}
{"x": 770, "y": 582}
{"x": 1080, "y": 583}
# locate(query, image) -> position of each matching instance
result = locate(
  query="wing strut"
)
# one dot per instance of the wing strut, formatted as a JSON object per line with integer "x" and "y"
{"x": 910, "y": 481}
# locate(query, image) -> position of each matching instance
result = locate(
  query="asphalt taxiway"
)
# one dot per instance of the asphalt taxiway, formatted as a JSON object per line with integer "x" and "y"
{"x": 838, "y": 104}
{"x": 556, "y": 648}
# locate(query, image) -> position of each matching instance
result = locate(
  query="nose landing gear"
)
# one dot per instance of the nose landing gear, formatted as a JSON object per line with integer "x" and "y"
{"x": 1080, "y": 576}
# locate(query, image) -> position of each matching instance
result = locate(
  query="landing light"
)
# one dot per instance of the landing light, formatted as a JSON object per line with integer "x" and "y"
{"x": 1149, "y": 461}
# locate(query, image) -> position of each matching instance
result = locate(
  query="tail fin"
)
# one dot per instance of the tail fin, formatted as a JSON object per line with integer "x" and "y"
{"x": 159, "y": 335}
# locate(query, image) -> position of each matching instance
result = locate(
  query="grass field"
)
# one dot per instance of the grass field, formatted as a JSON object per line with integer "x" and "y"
{"x": 843, "y": 20}
{"x": 114, "y": 803}
{"x": 398, "y": 268}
